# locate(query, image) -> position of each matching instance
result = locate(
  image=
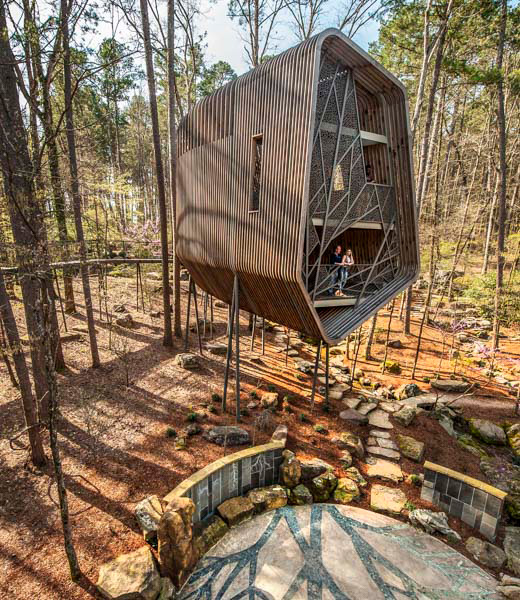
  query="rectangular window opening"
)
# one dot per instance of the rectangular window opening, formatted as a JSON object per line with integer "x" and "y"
{"x": 257, "y": 169}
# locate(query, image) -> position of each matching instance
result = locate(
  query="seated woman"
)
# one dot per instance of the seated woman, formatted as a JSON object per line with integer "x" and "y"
{"x": 346, "y": 264}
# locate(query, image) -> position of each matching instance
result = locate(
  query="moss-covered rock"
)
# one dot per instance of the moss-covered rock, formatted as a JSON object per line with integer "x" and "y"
{"x": 212, "y": 532}
{"x": 513, "y": 437}
{"x": 346, "y": 491}
{"x": 354, "y": 474}
{"x": 487, "y": 431}
{"x": 268, "y": 498}
{"x": 513, "y": 500}
{"x": 411, "y": 448}
{"x": 300, "y": 495}
{"x": 469, "y": 443}
{"x": 321, "y": 487}
{"x": 392, "y": 366}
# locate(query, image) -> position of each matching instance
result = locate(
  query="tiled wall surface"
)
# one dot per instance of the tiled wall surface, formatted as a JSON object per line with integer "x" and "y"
{"x": 234, "y": 479}
{"x": 477, "y": 504}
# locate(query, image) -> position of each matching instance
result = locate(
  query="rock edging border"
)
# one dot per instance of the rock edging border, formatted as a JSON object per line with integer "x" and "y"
{"x": 232, "y": 475}
{"x": 476, "y": 503}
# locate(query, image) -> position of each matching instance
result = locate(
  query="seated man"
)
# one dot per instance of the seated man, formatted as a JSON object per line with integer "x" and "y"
{"x": 335, "y": 261}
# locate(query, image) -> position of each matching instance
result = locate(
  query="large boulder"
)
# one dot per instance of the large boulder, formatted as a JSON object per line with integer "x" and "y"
{"x": 314, "y": 467}
{"x": 411, "y": 448}
{"x": 177, "y": 549}
{"x": 385, "y": 499}
{"x": 236, "y": 510}
{"x": 300, "y": 495}
{"x": 148, "y": 513}
{"x": 513, "y": 437}
{"x": 351, "y": 442}
{"x": 407, "y": 390}
{"x": 227, "y": 435}
{"x": 486, "y": 553}
{"x": 487, "y": 431}
{"x": 321, "y": 487}
{"x": 214, "y": 529}
{"x": 451, "y": 385}
{"x": 268, "y": 498}
{"x": 269, "y": 400}
{"x": 187, "y": 360}
{"x": 217, "y": 348}
{"x": 346, "y": 491}
{"x": 290, "y": 470}
{"x": 405, "y": 415}
{"x": 132, "y": 576}
{"x": 512, "y": 548}
{"x": 509, "y": 587}
{"x": 513, "y": 499}
{"x": 125, "y": 321}
{"x": 433, "y": 522}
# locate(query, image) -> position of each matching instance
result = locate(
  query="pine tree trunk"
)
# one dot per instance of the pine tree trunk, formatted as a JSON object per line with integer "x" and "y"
{"x": 76, "y": 197}
{"x": 502, "y": 209}
{"x": 159, "y": 171}
{"x": 177, "y": 329}
{"x": 30, "y": 409}
{"x": 50, "y": 374}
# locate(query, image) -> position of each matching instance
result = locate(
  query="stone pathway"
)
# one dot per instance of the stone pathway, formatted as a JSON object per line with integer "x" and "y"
{"x": 334, "y": 552}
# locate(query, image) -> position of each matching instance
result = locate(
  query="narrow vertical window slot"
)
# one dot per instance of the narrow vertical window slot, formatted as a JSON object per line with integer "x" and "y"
{"x": 254, "y": 203}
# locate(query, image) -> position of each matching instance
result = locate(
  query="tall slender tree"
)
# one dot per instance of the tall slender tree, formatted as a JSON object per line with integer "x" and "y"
{"x": 76, "y": 196}
{"x": 159, "y": 172}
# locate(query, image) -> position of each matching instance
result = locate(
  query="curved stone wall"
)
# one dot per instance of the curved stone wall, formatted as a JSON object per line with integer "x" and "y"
{"x": 230, "y": 476}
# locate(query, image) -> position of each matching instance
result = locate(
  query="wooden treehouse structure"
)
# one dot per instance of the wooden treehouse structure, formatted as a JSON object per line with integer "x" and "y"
{"x": 309, "y": 151}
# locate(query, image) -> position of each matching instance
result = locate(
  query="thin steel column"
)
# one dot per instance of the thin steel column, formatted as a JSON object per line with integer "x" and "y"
{"x": 187, "y": 333}
{"x": 316, "y": 363}
{"x": 196, "y": 314}
{"x": 237, "y": 351}
{"x": 253, "y": 334}
{"x": 327, "y": 375}
{"x": 231, "y": 309}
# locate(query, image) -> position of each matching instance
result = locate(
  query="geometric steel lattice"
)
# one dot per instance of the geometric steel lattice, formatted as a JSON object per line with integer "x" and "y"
{"x": 340, "y": 195}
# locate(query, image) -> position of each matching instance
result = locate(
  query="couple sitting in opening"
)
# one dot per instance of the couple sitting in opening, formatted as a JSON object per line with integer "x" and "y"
{"x": 340, "y": 265}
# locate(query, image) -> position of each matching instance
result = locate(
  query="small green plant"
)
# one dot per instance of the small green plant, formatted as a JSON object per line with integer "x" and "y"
{"x": 244, "y": 412}
{"x": 271, "y": 388}
{"x": 216, "y": 398}
{"x": 325, "y": 408}
{"x": 303, "y": 418}
{"x": 320, "y": 429}
{"x": 409, "y": 506}
{"x": 191, "y": 417}
{"x": 253, "y": 395}
{"x": 171, "y": 433}
{"x": 426, "y": 379}
{"x": 212, "y": 409}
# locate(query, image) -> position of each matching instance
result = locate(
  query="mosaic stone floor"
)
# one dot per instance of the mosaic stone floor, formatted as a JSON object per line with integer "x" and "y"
{"x": 333, "y": 552}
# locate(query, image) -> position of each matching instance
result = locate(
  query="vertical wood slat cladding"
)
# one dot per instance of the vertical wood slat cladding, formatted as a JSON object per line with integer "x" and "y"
{"x": 219, "y": 236}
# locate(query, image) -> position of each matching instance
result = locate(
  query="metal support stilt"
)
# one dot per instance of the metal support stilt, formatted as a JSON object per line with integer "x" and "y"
{"x": 237, "y": 351}
{"x": 211, "y": 316}
{"x": 188, "y": 309}
{"x": 315, "y": 376}
{"x": 253, "y": 334}
{"x": 197, "y": 315}
{"x": 138, "y": 268}
{"x": 327, "y": 375}
{"x": 263, "y": 336}
{"x": 231, "y": 313}
{"x": 287, "y": 347}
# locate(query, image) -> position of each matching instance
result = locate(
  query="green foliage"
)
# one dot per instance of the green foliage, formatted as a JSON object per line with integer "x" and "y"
{"x": 253, "y": 395}
{"x": 215, "y": 76}
{"x": 481, "y": 290}
{"x": 191, "y": 417}
{"x": 171, "y": 433}
{"x": 271, "y": 388}
{"x": 216, "y": 398}
{"x": 303, "y": 418}
{"x": 320, "y": 429}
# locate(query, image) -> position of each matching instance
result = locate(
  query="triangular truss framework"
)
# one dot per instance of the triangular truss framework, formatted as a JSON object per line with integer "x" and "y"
{"x": 340, "y": 195}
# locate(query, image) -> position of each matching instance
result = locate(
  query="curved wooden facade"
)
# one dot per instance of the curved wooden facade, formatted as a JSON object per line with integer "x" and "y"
{"x": 272, "y": 173}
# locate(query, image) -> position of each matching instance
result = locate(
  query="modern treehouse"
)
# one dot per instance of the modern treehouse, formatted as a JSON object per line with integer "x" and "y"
{"x": 305, "y": 153}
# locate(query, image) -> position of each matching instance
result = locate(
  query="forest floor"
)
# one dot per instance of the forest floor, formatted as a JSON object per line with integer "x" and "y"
{"x": 116, "y": 450}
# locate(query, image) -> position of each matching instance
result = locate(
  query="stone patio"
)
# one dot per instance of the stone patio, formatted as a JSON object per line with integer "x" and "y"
{"x": 334, "y": 552}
